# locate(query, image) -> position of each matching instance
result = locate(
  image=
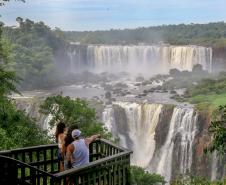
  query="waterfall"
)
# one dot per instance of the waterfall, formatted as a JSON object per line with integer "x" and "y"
{"x": 109, "y": 119}
{"x": 140, "y": 128}
{"x": 214, "y": 166}
{"x": 141, "y": 122}
{"x": 182, "y": 124}
{"x": 150, "y": 58}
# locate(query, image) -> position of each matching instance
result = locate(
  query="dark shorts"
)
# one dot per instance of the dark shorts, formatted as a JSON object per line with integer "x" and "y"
{"x": 59, "y": 155}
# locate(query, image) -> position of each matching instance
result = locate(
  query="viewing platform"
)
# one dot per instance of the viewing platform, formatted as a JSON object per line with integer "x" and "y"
{"x": 38, "y": 165}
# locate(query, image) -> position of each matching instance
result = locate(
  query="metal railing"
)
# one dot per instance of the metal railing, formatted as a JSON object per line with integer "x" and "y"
{"x": 109, "y": 165}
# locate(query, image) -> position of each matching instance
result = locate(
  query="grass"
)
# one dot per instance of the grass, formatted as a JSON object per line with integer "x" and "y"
{"x": 211, "y": 101}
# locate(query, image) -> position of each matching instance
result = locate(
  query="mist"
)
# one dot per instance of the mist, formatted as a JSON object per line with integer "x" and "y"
{"x": 136, "y": 60}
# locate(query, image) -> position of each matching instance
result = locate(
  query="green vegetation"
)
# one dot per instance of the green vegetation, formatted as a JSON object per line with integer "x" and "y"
{"x": 212, "y": 34}
{"x": 210, "y": 92}
{"x": 185, "y": 79}
{"x": 73, "y": 112}
{"x": 195, "y": 180}
{"x": 206, "y": 91}
{"x": 16, "y": 129}
{"x": 218, "y": 131}
{"x": 141, "y": 177}
{"x": 180, "y": 79}
{"x": 33, "y": 47}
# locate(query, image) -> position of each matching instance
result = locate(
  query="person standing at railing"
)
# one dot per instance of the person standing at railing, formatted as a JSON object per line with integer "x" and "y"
{"x": 67, "y": 141}
{"x": 78, "y": 150}
{"x": 60, "y": 134}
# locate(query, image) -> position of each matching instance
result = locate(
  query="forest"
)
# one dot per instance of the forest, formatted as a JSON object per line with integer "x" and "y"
{"x": 211, "y": 34}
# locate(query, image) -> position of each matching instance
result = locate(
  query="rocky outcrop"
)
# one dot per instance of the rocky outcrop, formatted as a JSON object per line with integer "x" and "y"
{"x": 163, "y": 125}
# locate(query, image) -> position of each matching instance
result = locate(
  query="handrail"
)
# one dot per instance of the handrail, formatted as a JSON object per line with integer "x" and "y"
{"x": 91, "y": 164}
{"x": 54, "y": 145}
{"x": 27, "y": 148}
{"x": 27, "y": 165}
{"x": 114, "y": 145}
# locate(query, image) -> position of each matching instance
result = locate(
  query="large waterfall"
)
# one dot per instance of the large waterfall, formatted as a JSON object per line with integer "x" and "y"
{"x": 138, "y": 133}
{"x": 139, "y": 58}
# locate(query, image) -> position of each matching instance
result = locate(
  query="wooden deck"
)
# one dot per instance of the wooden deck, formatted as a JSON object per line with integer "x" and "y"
{"x": 109, "y": 165}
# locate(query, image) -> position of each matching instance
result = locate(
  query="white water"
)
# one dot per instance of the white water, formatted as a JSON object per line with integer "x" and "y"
{"x": 108, "y": 119}
{"x": 214, "y": 166}
{"x": 150, "y": 59}
{"x": 183, "y": 122}
{"x": 141, "y": 122}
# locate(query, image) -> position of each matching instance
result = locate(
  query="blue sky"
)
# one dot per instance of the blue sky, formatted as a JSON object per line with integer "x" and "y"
{"x": 106, "y": 14}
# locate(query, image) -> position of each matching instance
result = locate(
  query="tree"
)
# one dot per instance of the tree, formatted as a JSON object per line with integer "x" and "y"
{"x": 16, "y": 129}
{"x": 73, "y": 112}
{"x": 141, "y": 177}
{"x": 218, "y": 131}
{"x": 4, "y": 1}
{"x": 7, "y": 78}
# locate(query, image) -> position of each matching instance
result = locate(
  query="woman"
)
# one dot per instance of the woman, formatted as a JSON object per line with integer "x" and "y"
{"x": 60, "y": 136}
{"x": 67, "y": 141}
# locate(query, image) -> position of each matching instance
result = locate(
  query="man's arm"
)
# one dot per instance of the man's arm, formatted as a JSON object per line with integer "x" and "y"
{"x": 91, "y": 139}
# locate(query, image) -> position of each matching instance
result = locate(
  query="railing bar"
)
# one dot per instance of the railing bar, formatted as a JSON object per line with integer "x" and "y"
{"x": 29, "y": 148}
{"x": 30, "y": 157}
{"x": 120, "y": 173}
{"x": 32, "y": 176}
{"x": 123, "y": 175}
{"x": 91, "y": 164}
{"x": 105, "y": 178}
{"x": 45, "y": 164}
{"x": 110, "y": 176}
{"x": 37, "y": 156}
{"x": 52, "y": 166}
{"x": 99, "y": 177}
{"x": 114, "y": 173}
{"x": 113, "y": 145}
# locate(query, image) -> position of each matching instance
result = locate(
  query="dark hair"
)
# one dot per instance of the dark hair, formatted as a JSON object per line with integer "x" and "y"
{"x": 59, "y": 130}
{"x": 69, "y": 139}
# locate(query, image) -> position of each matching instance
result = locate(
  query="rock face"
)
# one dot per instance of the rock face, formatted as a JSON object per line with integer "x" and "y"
{"x": 31, "y": 107}
{"x": 168, "y": 140}
{"x": 150, "y": 58}
{"x": 207, "y": 165}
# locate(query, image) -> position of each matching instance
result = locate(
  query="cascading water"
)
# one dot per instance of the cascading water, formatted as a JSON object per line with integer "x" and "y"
{"x": 182, "y": 125}
{"x": 141, "y": 123}
{"x": 152, "y": 58}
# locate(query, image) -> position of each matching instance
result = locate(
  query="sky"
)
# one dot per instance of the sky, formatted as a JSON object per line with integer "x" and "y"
{"x": 86, "y": 15}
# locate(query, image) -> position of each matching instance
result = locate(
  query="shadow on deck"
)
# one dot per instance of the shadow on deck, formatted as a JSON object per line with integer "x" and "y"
{"x": 109, "y": 165}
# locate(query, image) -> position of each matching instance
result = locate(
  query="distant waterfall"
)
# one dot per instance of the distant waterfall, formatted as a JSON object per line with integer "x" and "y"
{"x": 182, "y": 125}
{"x": 152, "y": 58}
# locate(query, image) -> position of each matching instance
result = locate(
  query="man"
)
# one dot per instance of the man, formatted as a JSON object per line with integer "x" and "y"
{"x": 78, "y": 150}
